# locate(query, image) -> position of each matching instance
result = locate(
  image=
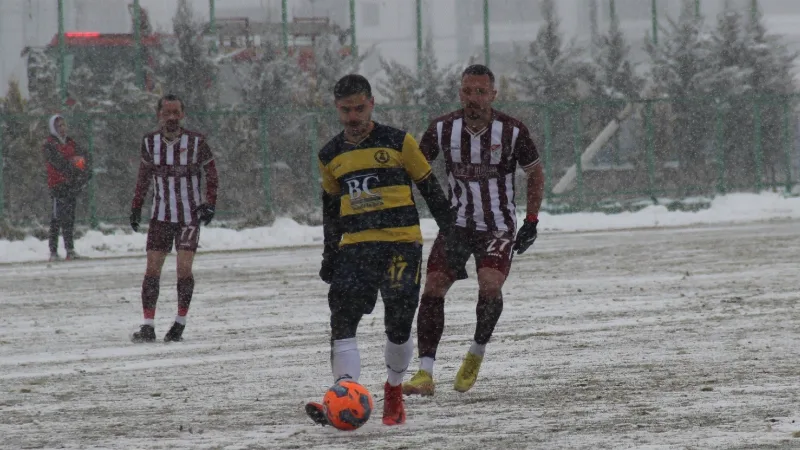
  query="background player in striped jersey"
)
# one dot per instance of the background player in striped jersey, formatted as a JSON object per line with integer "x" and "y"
{"x": 481, "y": 148}
{"x": 373, "y": 241}
{"x": 173, "y": 159}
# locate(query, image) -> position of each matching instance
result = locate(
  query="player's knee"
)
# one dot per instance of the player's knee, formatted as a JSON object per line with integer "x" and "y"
{"x": 437, "y": 284}
{"x": 398, "y": 334}
{"x": 398, "y": 328}
{"x": 490, "y": 283}
{"x": 344, "y": 324}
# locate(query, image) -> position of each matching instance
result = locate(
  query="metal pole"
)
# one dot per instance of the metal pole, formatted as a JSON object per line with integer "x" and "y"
{"x": 548, "y": 154}
{"x": 285, "y": 27}
{"x": 93, "y": 223}
{"x": 697, "y": 8}
{"x": 758, "y": 144}
{"x": 651, "y": 146}
{"x": 419, "y": 36}
{"x": 753, "y": 10}
{"x": 486, "y": 59}
{"x": 654, "y": 11}
{"x": 263, "y": 138}
{"x": 2, "y": 184}
{"x": 612, "y": 6}
{"x": 212, "y": 25}
{"x": 718, "y": 136}
{"x": 313, "y": 143}
{"x": 137, "y": 39}
{"x": 62, "y": 64}
{"x": 787, "y": 146}
{"x": 353, "y": 45}
{"x": 576, "y": 148}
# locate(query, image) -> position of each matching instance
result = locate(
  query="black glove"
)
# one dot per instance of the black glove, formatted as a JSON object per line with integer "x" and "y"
{"x": 526, "y": 235}
{"x": 328, "y": 263}
{"x": 136, "y": 218}
{"x": 205, "y": 213}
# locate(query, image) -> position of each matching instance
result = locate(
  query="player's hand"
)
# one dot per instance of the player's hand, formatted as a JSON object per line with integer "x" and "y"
{"x": 328, "y": 263}
{"x": 136, "y": 218}
{"x": 526, "y": 235}
{"x": 205, "y": 213}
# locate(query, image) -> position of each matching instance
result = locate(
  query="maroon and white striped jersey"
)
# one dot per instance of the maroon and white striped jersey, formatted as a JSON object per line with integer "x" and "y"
{"x": 481, "y": 166}
{"x": 174, "y": 169}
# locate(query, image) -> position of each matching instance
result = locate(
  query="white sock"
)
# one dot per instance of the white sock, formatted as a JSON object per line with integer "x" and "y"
{"x": 398, "y": 356}
{"x": 345, "y": 361}
{"x": 180, "y": 319}
{"x": 426, "y": 364}
{"x": 151, "y": 322}
{"x": 477, "y": 349}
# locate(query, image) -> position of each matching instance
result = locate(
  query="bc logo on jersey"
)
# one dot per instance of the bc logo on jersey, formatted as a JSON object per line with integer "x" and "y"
{"x": 360, "y": 194}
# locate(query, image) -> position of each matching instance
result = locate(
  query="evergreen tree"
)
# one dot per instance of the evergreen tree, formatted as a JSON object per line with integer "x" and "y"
{"x": 550, "y": 74}
{"x": 771, "y": 64}
{"x": 613, "y": 83}
{"x": 186, "y": 67}
{"x": 430, "y": 86}
{"x": 682, "y": 69}
{"x": 25, "y": 187}
{"x": 733, "y": 92}
{"x": 551, "y": 69}
{"x": 42, "y": 81}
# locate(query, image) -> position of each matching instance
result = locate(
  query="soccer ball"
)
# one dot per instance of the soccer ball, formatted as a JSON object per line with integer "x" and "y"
{"x": 347, "y": 405}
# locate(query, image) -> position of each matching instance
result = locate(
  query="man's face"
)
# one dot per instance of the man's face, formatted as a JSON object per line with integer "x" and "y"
{"x": 355, "y": 113}
{"x": 61, "y": 127}
{"x": 477, "y": 94}
{"x": 170, "y": 115}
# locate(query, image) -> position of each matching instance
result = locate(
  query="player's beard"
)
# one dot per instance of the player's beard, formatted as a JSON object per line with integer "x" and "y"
{"x": 357, "y": 129}
{"x": 172, "y": 126}
{"x": 474, "y": 112}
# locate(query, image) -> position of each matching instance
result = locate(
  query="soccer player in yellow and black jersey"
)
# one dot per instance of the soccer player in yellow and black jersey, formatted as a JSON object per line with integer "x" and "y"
{"x": 373, "y": 241}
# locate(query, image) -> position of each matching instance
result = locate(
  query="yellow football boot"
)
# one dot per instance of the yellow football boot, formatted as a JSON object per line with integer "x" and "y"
{"x": 419, "y": 384}
{"x": 468, "y": 373}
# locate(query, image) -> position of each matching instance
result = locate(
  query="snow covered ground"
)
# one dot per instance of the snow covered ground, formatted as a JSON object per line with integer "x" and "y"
{"x": 657, "y": 338}
{"x": 285, "y": 232}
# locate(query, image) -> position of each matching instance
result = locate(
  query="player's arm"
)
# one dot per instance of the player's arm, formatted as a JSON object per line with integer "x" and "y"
{"x": 429, "y": 144}
{"x": 58, "y": 161}
{"x": 205, "y": 211}
{"x": 143, "y": 180}
{"x": 417, "y": 166}
{"x": 331, "y": 208}
{"x": 331, "y": 227}
{"x": 529, "y": 160}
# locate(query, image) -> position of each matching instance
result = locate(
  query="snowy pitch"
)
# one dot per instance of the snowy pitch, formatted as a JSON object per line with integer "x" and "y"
{"x": 650, "y": 339}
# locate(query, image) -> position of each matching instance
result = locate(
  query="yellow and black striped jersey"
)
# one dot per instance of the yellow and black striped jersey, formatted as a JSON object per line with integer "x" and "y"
{"x": 372, "y": 180}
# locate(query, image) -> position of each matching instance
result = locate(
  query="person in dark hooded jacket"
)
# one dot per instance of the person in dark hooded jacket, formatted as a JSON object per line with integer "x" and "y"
{"x": 68, "y": 171}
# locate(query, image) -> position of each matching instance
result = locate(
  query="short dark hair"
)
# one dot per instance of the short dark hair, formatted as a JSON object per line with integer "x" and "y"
{"x": 352, "y": 84}
{"x": 168, "y": 98}
{"x": 478, "y": 69}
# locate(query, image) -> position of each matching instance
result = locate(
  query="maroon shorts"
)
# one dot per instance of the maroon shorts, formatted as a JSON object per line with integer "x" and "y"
{"x": 161, "y": 235}
{"x": 492, "y": 249}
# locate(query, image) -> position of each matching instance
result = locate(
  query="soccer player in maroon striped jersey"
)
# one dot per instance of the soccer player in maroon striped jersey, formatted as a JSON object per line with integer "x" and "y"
{"x": 173, "y": 159}
{"x": 481, "y": 148}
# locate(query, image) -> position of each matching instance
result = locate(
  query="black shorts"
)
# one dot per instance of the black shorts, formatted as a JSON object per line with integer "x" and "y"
{"x": 161, "y": 235}
{"x": 364, "y": 269}
{"x": 491, "y": 249}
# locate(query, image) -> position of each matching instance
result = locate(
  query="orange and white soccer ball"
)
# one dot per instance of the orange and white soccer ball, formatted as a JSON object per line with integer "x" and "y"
{"x": 347, "y": 405}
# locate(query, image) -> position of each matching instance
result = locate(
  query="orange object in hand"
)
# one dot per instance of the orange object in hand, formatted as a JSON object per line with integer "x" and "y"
{"x": 79, "y": 162}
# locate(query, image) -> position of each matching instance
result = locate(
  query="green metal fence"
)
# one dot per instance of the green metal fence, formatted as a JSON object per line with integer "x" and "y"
{"x": 267, "y": 159}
